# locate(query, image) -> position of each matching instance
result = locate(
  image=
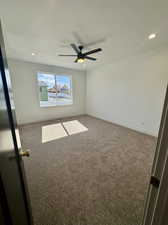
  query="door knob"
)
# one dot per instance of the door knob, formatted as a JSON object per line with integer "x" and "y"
{"x": 24, "y": 153}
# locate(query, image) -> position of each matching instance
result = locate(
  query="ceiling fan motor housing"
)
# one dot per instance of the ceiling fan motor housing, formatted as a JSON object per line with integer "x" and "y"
{"x": 82, "y": 56}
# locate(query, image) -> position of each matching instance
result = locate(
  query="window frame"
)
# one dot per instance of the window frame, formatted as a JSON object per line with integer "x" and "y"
{"x": 55, "y": 74}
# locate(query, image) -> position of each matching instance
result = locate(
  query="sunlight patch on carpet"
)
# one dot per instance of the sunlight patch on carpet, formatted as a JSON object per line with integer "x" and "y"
{"x": 52, "y": 132}
{"x": 74, "y": 127}
{"x": 58, "y": 130}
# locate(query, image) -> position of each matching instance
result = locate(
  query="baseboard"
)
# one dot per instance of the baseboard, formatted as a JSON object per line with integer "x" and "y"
{"x": 120, "y": 125}
{"x": 48, "y": 121}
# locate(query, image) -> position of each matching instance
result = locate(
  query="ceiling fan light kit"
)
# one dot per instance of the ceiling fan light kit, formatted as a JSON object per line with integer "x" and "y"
{"x": 81, "y": 57}
{"x": 80, "y": 60}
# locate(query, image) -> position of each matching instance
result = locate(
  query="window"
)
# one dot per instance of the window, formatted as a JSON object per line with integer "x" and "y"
{"x": 54, "y": 89}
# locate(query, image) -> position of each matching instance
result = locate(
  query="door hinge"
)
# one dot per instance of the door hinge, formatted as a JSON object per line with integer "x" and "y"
{"x": 155, "y": 181}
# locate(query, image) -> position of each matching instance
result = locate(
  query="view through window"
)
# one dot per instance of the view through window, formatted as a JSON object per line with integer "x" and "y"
{"x": 54, "y": 89}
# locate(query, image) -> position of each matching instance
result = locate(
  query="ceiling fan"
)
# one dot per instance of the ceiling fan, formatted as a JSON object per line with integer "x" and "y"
{"x": 81, "y": 57}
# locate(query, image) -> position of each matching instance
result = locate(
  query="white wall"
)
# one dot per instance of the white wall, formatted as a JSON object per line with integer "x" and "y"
{"x": 131, "y": 92}
{"x": 26, "y": 96}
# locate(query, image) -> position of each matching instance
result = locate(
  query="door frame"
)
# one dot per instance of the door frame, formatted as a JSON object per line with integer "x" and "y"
{"x": 159, "y": 215}
{"x": 157, "y": 198}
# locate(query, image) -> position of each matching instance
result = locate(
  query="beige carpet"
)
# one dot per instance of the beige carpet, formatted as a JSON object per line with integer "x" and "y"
{"x": 96, "y": 177}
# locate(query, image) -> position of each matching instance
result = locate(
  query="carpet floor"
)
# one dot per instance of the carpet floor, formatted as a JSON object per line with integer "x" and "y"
{"x": 95, "y": 177}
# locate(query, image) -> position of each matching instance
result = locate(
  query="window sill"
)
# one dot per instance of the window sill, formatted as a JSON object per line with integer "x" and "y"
{"x": 58, "y": 105}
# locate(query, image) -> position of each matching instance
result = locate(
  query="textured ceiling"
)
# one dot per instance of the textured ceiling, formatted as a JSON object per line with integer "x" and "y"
{"x": 47, "y": 27}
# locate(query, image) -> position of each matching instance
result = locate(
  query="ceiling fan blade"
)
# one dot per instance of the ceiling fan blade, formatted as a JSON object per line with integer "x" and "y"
{"x": 76, "y": 60}
{"x": 75, "y": 48}
{"x": 90, "y": 58}
{"x": 78, "y": 38}
{"x": 92, "y": 51}
{"x": 67, "y": 55}
{"x": 94, "y": 42}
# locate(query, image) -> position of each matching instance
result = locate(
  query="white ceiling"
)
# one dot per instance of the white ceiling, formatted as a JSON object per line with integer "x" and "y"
{"x": 47, "y": 27}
